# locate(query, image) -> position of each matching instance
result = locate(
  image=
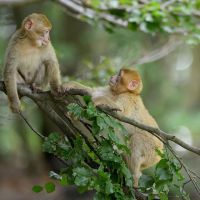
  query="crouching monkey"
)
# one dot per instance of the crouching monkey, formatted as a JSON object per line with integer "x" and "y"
{"x": 31, "y": 59}
{"x": 123, "y": 93}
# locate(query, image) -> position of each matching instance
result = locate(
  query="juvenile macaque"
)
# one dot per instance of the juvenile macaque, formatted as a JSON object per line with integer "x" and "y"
{"x": 123, "y": 93}
{"x": 31, "y": 59}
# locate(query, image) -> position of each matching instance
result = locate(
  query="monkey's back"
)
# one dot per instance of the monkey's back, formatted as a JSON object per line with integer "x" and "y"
{"x": 143, "y": 143}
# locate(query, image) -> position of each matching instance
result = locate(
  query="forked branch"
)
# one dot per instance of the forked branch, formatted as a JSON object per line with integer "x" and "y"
{"x": 48, "y": 107}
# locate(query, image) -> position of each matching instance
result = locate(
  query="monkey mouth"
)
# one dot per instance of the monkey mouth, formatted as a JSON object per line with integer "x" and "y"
{"x": 44, "y": 44}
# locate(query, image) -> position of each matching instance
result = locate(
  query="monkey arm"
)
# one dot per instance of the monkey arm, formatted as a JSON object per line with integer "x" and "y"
{"x": 72, "y": 85}
{"x": 100, "y": 96}
{"x": 10, "y": 80}
{"x": 106, "y": 102}
{"x": 53, "y": 71}
{"x": 54, "y": 74}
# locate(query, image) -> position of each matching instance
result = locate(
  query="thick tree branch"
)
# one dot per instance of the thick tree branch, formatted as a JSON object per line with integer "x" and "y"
{"x": 158, "y": 53}
{"x": 44, "y": 101}
{"x": 48, "y": 107}
{"x": 152, "y": 130}
{"x": 79, "y": 10}
{"x": 91, "y": 13}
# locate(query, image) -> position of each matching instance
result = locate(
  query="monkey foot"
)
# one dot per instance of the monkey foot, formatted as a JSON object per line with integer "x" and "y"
{"x": 35, "y": 89}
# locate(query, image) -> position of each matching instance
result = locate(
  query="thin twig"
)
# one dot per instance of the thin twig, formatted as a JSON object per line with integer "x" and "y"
{"x": 191, "y": 177}
{"x": 30, "y": 126}
{"x": 40, "y": 135}
{"x": 158, "y": 53}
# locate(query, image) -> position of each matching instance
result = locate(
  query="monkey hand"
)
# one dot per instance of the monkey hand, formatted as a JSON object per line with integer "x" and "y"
{"x": 58, "y": 91}
{"x": 108, "y": 108}
{"x": 67, "y": 88}
{"x": 15, "y": 106}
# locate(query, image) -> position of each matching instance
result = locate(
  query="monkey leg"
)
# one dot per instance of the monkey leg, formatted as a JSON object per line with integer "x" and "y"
{"x": 136, "y": 174}
{"x": 134, "y": 164}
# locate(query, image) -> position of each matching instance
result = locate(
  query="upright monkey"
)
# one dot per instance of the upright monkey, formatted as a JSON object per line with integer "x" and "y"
{"x": 31, "y": 59}
{"x": 123, "y": 93}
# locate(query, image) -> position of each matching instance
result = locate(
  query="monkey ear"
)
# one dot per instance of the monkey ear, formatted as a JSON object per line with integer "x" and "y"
{"x": 28, "y": 24}
{"x": 133, "y": 85}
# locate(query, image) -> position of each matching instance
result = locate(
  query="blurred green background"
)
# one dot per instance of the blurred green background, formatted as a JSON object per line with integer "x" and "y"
{"x": 90, "y": 54}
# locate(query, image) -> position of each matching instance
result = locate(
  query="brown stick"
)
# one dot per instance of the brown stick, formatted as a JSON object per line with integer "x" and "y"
{"x": 38, "y": 98}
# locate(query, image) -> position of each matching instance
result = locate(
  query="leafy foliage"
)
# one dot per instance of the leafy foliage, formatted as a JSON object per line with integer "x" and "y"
{"x": 110, "y": 177}
{"x": 49, "y": 187}
{"x": 179, "y": 16}
{"x": 100, "y": 165}
{"x": 167, "y": 176}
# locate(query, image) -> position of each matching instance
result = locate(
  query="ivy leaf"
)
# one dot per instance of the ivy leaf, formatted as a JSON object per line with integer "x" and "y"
{"x": 125, "y": 2}
{"x": 49, "y": 187}
{"x": 87, "y": 99}
{"x": 101, "y": 123}
{"x": 146, "y": 181}
{"x": 107, "y": 153}
{"x": 127, "y": 175}
{"x": 82, "y": 176}
{"x": 37, "y": 188}
{"x": 64, "y": 181}
{"x": 163, "y": 196}
{"x": 109, "y": 187}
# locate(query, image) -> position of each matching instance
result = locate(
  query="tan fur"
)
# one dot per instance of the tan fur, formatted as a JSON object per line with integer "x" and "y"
{"x": 142, "y": 143}
{"x": 29, "y": 61}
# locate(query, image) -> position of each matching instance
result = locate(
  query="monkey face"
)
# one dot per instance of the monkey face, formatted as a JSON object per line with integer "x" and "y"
{"x": 116, "y": 82}
{"x": 126, "y": 81}
{"x": 37, "y": 28}
{"x": 42, "y": 38}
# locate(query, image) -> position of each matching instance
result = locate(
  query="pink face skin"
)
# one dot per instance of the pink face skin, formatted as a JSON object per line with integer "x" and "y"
{"x": 115, "y": 79}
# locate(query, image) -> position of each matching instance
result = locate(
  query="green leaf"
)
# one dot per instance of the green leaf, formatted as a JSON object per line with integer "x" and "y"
{"x": 109, "y": 187}
{"x": 127, "y": 175}
{"x": 146, "y": 181}
{"x": 37, "y": 188}
{"x": 95, "y": 3}
{"x": 87, "y": 99}
{"x": 82, "y": 176}
{"x": 125, "y": 2}
{"x": 64, "y": 181}
{"x": 49, "y": 187}
{"x": 101, "y": 123}
{"x": 163, "y": 196}
{"x": 106, "y": 152}
{"x": 81, "y": 181}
